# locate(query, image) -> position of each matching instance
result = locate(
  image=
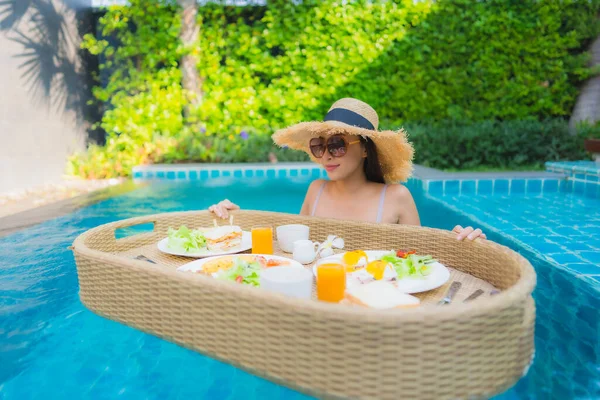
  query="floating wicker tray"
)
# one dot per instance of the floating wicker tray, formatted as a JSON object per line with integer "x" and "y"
{"x": 462, "y": 350}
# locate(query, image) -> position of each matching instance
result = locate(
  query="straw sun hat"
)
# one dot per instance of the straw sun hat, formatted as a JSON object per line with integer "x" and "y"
{"x": 354, "y": 117}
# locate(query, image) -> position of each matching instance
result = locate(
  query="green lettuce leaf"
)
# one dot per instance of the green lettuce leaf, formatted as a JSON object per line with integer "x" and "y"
{"x": 249, "y": 272}
{"x": 186, "y": 240}
{"x": 413, "y": 266}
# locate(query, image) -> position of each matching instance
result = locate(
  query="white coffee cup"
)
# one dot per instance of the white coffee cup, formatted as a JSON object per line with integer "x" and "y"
{"x": 291, "y": 281}
{"x": 288, "y": 234}
{"x": 305, "y": 251}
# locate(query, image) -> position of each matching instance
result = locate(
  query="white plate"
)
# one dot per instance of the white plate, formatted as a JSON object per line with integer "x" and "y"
{"x": 439, "y": 274}
{"x": 245, "y": 245}
{"x": 197, "y": 265}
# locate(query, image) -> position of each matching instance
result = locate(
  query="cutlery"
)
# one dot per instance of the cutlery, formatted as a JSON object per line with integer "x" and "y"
{"x": 474, "y": 295}
{"x": 144, "y": 258}
{"x": 454, "y": 287}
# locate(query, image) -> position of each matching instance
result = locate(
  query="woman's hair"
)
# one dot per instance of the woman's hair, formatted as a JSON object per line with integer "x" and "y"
{"x": 371, "y": 166}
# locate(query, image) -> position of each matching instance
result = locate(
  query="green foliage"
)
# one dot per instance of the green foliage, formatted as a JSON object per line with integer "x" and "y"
{"x": 245, "y": 146}
{"x": 290, "y": 63}
{"x": 263, "y": 68}
{"x": 495, "y": 59}
{"x": 143, "y": 98}
{"x": 497, "y": 144}
{"x": 118, "y": 156}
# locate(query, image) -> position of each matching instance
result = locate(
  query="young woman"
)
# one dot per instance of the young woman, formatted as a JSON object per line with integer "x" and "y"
{"x": 362, "y": 164}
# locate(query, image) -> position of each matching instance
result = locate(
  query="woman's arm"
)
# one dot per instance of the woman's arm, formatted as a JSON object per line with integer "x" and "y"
{"x": 408, "y": 214}
{"x": 222, "y": 208}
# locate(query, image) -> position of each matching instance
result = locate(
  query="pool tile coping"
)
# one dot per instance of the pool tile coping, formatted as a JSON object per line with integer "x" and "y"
{"x": 434, "y": 181}
{"x": 585, "y": 170}
{"x": 499, "y": 186}
{"x": 16, "y": 222}
{"x": 420, "y": 172}
{"x": 205, "y": 171}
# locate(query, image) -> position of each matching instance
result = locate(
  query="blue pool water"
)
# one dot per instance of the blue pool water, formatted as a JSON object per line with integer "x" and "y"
{"x": 51, "y": 347}
{"x": 558, "y": 222}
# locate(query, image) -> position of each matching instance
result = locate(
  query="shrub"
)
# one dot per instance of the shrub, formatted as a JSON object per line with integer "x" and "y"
{"x": 507, "y": 144}
{"x": 142, "y": 99}
{"x": 245, "y": 146}
{"x": 265, "y": 67}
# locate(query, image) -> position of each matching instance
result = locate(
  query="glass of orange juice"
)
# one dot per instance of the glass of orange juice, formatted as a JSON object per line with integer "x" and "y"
{"x": 262, "y": 240}
{"x": 331, "y": 281}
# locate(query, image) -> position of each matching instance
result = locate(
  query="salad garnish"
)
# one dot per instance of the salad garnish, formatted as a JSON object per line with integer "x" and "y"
{"x": 242, "y": 271}
{"x": 393, "y": 265}
{"x": 186, "y": 240}
{"x": 409, "y": 264}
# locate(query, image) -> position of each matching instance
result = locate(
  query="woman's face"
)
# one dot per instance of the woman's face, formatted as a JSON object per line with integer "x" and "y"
{"x": 341, "y": 167}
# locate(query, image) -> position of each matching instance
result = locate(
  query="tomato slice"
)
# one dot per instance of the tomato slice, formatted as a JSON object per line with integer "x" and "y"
{"x": 239, "y": 279}
{"x": 261, "y": 260}
{"x": 273, "y": 263}
{"x": 404, "y": 254}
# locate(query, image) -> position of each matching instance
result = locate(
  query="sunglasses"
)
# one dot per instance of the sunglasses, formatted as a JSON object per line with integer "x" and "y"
{"x": 336, "y": 145}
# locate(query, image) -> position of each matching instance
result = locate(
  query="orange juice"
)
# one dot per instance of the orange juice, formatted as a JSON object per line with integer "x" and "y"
{"x": 331, "y": 282}
{"x": 262, "y": 240}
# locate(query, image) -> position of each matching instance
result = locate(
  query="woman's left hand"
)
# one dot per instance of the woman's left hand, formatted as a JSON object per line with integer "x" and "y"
{"x": 468, "y": 233}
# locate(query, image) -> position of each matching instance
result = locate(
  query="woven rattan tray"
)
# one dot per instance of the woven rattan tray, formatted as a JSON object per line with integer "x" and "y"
{"x": 462, "y": 350}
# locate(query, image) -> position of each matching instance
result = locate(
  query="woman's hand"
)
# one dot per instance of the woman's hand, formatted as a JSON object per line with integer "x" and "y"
{"x": 222, "y": 209}
{"x": 468, "y": 233}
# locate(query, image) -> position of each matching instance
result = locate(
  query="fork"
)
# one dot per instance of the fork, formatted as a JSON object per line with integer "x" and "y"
{"x": 454, "y": 287}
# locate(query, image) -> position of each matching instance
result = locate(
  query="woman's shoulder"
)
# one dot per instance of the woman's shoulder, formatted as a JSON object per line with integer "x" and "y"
{"x": 314, "y": 187}
{"x": 399, "y": 192}
{"x": 316, "y": 184}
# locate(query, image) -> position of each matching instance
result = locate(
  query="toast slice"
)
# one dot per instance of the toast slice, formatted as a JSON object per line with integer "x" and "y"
{"x": 380, "y": 295}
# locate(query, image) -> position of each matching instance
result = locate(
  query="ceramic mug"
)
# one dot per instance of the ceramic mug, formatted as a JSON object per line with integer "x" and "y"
{"x": 305, "y": 251}
{"x": 291, "y": 281}
{"x": 288, "y": 234}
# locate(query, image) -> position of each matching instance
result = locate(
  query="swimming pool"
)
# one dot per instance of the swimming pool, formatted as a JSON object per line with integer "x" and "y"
{"x": 52, "y": 347}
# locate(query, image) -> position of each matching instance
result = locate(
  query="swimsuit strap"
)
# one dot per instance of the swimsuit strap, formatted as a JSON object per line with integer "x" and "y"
{"x": 317, "y": 199}
{"x": 381, "y": 201}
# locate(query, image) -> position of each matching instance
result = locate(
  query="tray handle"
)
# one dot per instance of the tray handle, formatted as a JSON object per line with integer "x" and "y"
{"x": 132, "y": 225}
{"x": 104, "y": 237}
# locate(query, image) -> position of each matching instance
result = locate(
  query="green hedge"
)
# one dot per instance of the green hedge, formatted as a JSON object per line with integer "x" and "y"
{"x": 267, "y": 67}
{"x": 494, "y": 144}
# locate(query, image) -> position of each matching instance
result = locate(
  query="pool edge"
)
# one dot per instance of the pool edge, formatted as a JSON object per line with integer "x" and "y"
{"x": 16, "y": 222}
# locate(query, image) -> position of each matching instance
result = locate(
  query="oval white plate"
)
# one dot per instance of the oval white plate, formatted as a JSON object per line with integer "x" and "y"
{"x": 197, "y": 265}
{"x": 245, "y": 245}
{"x": 439, "y": 274}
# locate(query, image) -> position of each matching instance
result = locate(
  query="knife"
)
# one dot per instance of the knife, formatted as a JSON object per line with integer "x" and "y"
{"x": 474, "y": 295}
{"x": 144, "y": 258}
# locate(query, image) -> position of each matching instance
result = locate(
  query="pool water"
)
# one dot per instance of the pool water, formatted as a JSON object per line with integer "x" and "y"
{"x": 52, "y": 347}
{"x": 564, "y": 226}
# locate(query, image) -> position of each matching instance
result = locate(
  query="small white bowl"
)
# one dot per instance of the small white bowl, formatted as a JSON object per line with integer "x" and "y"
{"x": 288, "y": 234}
{"x": 291, "y": 281}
